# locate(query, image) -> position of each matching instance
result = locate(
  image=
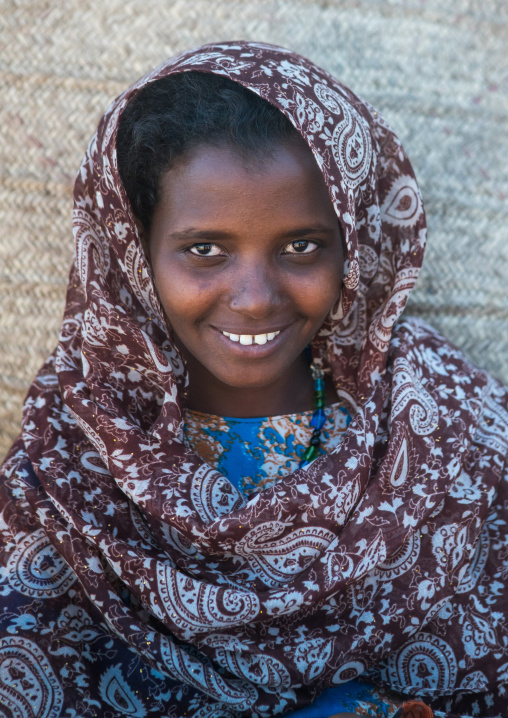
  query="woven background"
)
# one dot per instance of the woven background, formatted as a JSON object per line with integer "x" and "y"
{"x": 437, "y": 69}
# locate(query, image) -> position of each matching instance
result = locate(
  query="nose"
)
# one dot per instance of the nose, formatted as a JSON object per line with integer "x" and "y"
{"x": 255, "y": 290}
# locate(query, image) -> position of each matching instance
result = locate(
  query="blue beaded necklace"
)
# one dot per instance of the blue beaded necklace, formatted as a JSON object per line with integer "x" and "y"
{"x": 318, "y": 417}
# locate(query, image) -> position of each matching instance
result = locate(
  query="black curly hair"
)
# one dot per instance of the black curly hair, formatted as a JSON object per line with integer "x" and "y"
{"x": 171, "y": 116}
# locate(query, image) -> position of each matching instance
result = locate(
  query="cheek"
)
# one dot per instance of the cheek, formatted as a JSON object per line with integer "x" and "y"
{"x": 319, "y": 292}
{"x": 184, "y": 297}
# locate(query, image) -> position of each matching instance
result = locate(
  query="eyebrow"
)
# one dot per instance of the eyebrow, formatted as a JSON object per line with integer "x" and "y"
{"x": 305, "y": 231}
{"x": 192, "y": 233}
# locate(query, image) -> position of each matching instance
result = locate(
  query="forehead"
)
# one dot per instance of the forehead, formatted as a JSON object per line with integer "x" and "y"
{"x": 218, "y": 181}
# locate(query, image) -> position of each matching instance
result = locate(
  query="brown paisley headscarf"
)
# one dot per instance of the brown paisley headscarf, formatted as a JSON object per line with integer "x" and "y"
{"x": 386, "y": 558}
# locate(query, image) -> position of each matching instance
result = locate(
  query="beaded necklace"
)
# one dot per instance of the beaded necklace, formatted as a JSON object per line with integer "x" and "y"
{"x": 318, "y": 417}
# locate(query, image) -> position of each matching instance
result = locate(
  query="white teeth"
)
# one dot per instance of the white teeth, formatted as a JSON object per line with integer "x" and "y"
{"x": 248, "y": 339}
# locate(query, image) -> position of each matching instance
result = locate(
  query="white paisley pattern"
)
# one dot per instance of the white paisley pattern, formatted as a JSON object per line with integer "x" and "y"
{"x": 36, "y": 569}
{"x": 426, "y": 662}
{"x": 403, "y": 204}
{"x": 28, "y": 685}
{"x": 352, "y": 148}
{"x": 194, "y": 606}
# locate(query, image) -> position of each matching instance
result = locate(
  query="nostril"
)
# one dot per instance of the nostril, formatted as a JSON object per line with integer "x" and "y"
{"x": 256, "y": 298}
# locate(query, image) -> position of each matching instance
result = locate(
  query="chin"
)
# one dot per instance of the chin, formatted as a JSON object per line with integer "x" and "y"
{"x": 243, "y": 382}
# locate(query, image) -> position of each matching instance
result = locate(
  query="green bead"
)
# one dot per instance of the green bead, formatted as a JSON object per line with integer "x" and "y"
{"x": 319, "y": 393}
{"x": 310, "y": 453}
{"x": 319, "y": 403}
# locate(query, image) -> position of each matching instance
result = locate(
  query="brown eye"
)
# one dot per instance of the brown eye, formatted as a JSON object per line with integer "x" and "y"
{"x": 206, "y": 249}
{"x": 300, "y": 246}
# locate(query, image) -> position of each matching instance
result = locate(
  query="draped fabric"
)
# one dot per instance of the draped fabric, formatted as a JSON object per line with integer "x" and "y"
{"x": 136, "y": 579}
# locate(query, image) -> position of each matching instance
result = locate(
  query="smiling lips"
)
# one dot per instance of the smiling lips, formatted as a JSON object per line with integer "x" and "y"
{"x": 247, "y": 339}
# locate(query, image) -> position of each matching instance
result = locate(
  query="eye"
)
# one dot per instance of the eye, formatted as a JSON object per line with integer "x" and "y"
{"x": 300, "y": 246}
{"x": 206, "y": 249}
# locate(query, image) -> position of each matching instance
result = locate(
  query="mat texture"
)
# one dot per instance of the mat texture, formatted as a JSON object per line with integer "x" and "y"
{"x": 437, "y": 69}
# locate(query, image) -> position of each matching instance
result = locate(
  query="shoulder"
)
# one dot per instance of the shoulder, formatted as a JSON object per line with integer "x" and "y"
{"x": 422, "y": 345}
{"x": 424, "y": 364}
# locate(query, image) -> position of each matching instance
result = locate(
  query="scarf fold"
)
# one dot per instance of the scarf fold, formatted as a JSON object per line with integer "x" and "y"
{"x": 385, "y": 558}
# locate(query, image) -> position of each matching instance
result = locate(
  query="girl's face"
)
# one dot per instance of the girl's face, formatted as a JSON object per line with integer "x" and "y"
{"x": 247, "y": 260}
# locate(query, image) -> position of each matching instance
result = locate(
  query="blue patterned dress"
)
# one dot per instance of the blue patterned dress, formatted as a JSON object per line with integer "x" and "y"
{"x": 254, "y": 453}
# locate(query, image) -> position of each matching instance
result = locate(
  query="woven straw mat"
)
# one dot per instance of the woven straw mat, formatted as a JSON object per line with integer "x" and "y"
{"x": 437, "y": 70}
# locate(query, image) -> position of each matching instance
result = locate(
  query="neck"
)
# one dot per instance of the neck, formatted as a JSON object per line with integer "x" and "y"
{"x": 291, "y": 393}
